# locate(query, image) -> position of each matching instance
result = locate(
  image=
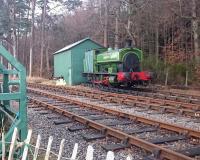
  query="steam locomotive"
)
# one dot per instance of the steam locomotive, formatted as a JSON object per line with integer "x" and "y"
{"x": 115, "y": 67}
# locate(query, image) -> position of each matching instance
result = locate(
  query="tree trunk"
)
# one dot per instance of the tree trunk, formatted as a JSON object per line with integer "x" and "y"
{"x": 14, "y": 36}
{"x": 195, "y": 31}
{"x": 32, "y": 39}
{"x": 106, "y": 25}
{"x": 157, "y": 43}
{"x": 24, "y": 56}
{"x": 117, "y": 30}
{"x": 166, "y": 77}
{"x": 42, "y": 37}
{"x": 17, "y": 45}
{"x": 47, "y": 56}
{"x": 24, "y": 50}
{"x": 165, "y": 44}
{"x": 186, "y": 78}
{"x": 128, "y": 28}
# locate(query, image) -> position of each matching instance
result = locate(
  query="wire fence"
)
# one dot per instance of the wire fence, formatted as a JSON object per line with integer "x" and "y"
{"x": 32, "y": 151}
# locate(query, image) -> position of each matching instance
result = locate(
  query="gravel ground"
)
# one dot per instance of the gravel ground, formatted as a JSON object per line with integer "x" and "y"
{"x": 59, "y": 132}
{"x": 45, "y": 127}
{"x": 180, "y": 120}
{"x": 184, "y": 121}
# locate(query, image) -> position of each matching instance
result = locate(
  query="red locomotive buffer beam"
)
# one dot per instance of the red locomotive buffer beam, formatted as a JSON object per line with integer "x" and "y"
{"x": 123, "y": 76}
{"x": 141, "y": 76}
{"x": 133, "y": 76}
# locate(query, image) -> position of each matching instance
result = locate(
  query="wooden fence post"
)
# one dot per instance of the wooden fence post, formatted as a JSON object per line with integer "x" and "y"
{"x": 27, "y": 141}
{"x": 129, "y": 157}
{"x": 110, "y": 155}
{"x": 48, "y": 148}
{"x": 89, "y": 155}
{"x": 75, "y": 151}
{"x": 12, "y": 145}
{"x": 37, "y": 147}
{"x": 61, "y": 149}
{"x": 3, "y": 147}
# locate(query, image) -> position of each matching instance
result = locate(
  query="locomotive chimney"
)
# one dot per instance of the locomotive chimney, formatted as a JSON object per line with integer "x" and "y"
{"x": 128, "y": 43}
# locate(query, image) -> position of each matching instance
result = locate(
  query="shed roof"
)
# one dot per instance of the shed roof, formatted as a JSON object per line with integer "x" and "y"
{"x": 68, "y": 47}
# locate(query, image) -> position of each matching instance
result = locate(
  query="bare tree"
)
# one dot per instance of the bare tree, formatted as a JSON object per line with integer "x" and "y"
{"x": 195, "y": 29}
{"x": 117, "y": 29}
{"x": 106, "y": 24}
{"x": 32, "y": 38}
{"x": 13, "y": 23}
{"x": 42, "y": 36}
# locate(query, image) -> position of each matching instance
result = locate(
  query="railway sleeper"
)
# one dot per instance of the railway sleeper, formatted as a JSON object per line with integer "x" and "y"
{"x": 191, "y": 152}
{"x": 114, "y": 123}
{"x": 141, "y": 130}
{"x": 154, "y": 156}
{"x": 44, "y": 112}
{"x": 167, "y": 139}
{"x": 91, "y": 137}
{"x": 195, "y": 101}
{"x": 134, "y": 139}
{"x": 52, "y": 117}
{"x": 59, "y": 122}
{"x": 75, "y": 128}
{"x": 115, "y": 147}
{"x": 99, "y": 117}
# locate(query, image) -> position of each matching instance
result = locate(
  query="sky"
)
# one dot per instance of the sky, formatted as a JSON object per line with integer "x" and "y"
{"x": 56, "y": 8}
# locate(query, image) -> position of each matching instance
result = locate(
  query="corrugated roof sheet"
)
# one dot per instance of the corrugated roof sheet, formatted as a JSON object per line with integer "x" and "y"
{"x": 72, "y": 45}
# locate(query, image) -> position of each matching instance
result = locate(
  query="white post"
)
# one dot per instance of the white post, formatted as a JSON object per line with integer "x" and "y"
{"x": 27, "y": 141}
{"x": 61, "y": 149}
{"x": 48, "y": 148}
{"x": 89, "y": 155}
{"x": 37, "y": 147}
{"x": 166, "y": 78}
{"x": 75, "y": 151}
{"x": 129, "y": 157}
{"x": 12, "y": 145}
{"x": 186, "y": 79}
{"x": 3, "y": 147}
{"x": 110, "y": 155}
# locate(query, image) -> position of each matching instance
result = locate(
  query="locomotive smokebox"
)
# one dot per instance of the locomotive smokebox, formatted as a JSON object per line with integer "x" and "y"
{"x": 128, "y": 43}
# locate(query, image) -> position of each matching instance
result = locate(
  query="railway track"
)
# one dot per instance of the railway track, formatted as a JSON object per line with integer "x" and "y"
{"x": 147, "y": 103}
{"x": 151, "y": 92}
{"x": 92, "y": 115}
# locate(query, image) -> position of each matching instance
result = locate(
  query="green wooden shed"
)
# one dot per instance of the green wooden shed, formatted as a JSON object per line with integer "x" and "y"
{"x": 68, "y": 61}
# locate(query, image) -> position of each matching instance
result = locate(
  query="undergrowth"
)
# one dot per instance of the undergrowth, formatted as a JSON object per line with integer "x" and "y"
{"x": 176, "y": 72}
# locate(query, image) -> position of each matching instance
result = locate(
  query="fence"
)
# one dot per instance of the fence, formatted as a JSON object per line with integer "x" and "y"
{"x": 26, "y": 144}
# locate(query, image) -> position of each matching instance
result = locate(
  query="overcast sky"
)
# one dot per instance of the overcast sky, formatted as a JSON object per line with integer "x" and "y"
{"x": 55, "y": 8}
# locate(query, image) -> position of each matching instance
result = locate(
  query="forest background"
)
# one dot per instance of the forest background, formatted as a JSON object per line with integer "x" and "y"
{"x": 168, "y": 32}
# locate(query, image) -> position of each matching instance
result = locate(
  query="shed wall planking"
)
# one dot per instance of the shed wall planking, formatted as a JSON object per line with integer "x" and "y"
{"x": 69, "y": 63}
{"x": 78, "y": 54}
{"x": 62, "y": 66}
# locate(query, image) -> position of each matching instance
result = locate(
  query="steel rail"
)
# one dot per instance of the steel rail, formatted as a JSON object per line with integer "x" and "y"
{"x": 164, "y": 125}
{"x": 178, "y": 93}
{"x": 146, "y": 102}
{"x": 169, "y": 93}
{"x": 163, "y": 152}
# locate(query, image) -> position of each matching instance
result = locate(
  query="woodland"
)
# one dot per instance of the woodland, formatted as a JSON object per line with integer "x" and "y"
{"x": 167, "y": 31}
